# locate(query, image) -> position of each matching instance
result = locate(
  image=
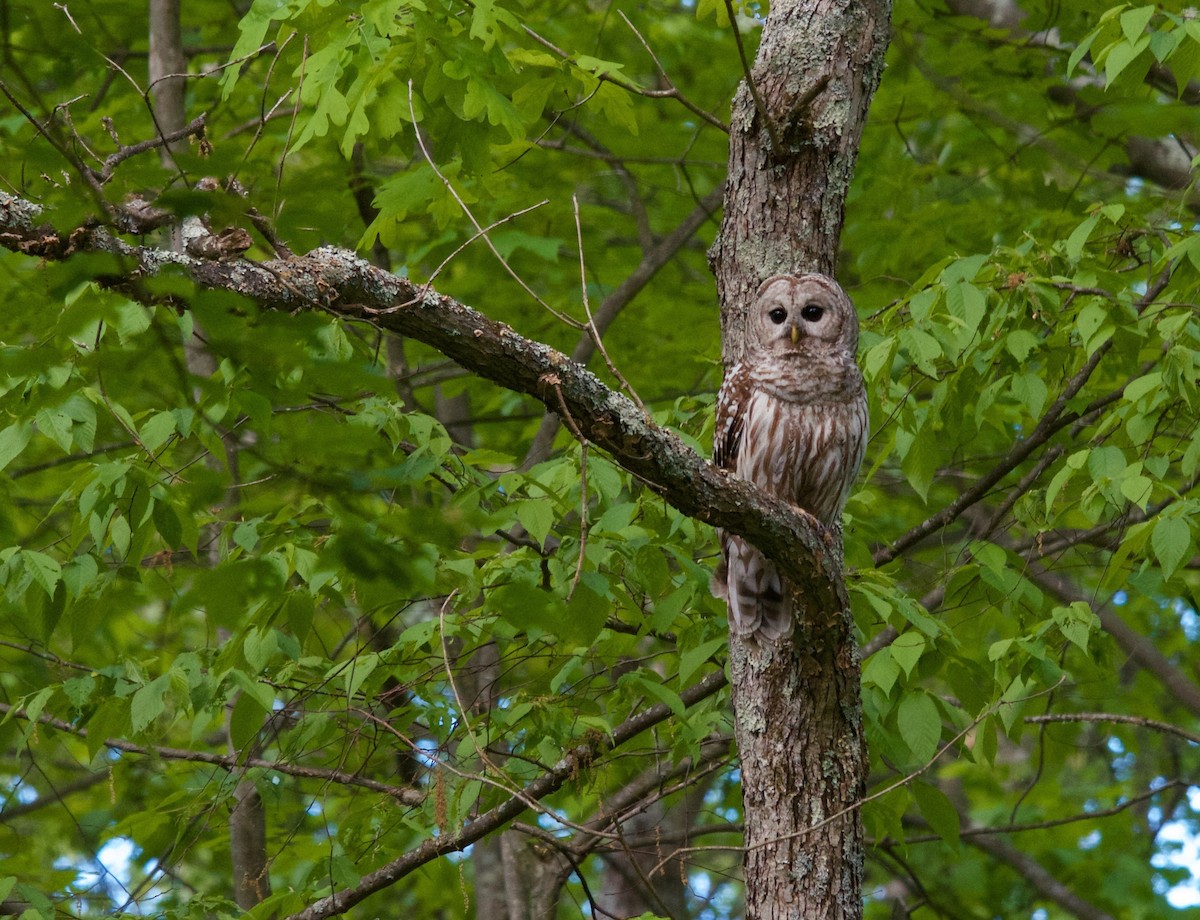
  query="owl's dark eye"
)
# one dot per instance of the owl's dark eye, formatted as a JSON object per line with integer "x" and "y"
{"x": 812, "y": 312}
{"x": 778, "y": 315}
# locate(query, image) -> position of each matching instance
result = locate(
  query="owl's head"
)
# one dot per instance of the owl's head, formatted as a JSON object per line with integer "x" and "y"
{"x": 803, "y": 315}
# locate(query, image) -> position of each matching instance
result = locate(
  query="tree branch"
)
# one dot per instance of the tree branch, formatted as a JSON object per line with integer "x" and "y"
{"x": 1039, "y": 877}
{"x": 336, "y": 281}
{"x": 1139, "y": 721}
{"x": 1055, "y": 419}
{"x": 578, "y": 758}
{"x": 404, "y": 794}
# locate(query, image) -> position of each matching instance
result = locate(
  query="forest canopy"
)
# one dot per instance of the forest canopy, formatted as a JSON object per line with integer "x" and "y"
{"x": 327, "y": 567}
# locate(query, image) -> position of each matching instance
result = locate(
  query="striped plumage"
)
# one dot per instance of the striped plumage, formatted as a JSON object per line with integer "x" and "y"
{"x": 791, "y": 418}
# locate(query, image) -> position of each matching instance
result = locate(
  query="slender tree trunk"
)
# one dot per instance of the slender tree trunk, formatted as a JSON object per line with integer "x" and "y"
{"x": 167, "y": 65}
{"x": 798, "y": 713}
{"x": 168, "y": 91}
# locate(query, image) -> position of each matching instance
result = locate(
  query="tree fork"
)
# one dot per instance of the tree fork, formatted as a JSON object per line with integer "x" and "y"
{"x": 797, "y": 703}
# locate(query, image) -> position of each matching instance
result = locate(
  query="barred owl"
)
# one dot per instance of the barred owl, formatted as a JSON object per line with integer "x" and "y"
{"x": 791, "y": 418}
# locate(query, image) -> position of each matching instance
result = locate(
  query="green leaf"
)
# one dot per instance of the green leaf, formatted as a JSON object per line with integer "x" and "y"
{"x": 920, "y": 464}
{"x": 120, "y": 534}
{"x": 80, "y": 573}
{"x": 1134, "y": 22}
{"x": 1171, "y": 541}
{"x": 245, "y": 722}
{"x": 1137, "y": 489}
{"x": 923, "y": 350}
{"x": 1093, "y": 326}
{"x": 907, "y": 649}
{"x": 168, "y": 525}
{"x": 358, "y": 671}
{"x": 157, "y": 429}
{"x": 147, "y": 703}
{"x": 1142, "y": 386}
{"x": 1121, "y": 55}
{"x": 939, "y": 811}
{"x": 1030, "y": 389}
{"x": 1020, "y": 342}
{"x": 245, "y": 534}
{"x": 1106, "y": 463}
{"x": 1081, "y": 49}
{"x": 78, "y": 690}
{"x": 881, "y": 670}
{"x": 1079, "y": 237}
{"x": 693, "y": 659}
{"x": 651, "y": 684}
{"x": 259, "y": 646}
{"x": 999, "y": 649}
{"x": 920, "y": 725}
{"x": 45, "y": 570}
{"x": 537, "y": 517}
{"x": 1077, "y": 623}
{"x": 13, "y": 440}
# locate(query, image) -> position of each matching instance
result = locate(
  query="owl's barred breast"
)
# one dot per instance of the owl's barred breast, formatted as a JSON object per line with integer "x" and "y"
{"x": 805, "y": 453}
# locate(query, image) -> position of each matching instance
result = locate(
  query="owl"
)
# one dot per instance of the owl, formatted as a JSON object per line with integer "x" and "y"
{"x": 792, "y": 419}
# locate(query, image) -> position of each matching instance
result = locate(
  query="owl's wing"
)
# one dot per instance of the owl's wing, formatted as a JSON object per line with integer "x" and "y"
{"x": 731, "y": 415}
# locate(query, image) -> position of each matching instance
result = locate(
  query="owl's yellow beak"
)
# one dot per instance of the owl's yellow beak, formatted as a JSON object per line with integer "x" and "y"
{"x": 795, "y": 334}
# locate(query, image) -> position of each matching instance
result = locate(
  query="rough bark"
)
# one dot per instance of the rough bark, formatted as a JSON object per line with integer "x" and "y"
{"x": 817, "y": 68}
{"x": 798, "y": 716}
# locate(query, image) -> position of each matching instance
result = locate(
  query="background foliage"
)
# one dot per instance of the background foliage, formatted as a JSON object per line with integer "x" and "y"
{"x": 328, "y": 554}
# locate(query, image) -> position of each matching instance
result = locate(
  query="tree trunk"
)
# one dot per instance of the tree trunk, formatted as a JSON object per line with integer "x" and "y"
{"x": 798, "y": 713}
{"x": 817, "y": 69}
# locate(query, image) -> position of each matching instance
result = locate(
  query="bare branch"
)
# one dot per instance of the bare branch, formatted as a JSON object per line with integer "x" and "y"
{"x": 404, "y": 794}
{"x": 1139, "y": 721}
{"x": 578, "y": 758}
{"x": 1039, "y": 877}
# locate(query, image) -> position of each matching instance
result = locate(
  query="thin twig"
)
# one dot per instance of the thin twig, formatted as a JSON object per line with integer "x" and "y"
{"x": 265, "y": 115}
{"x": 478, "y": 233}
{"x": 776, "y": 146}
{"x": 404, "y": 794}
{"x": 591, "y": 322}
{"x": 606, "y": 77}
{"x": 672, "y": 90}
{"x": 1053, "y": 822}
{"x": 462, "y": 710}
{"x": 891, "y": 787}
{"x": 193, "y": 128}
{"x": 466, "y": 210}
{"x": 276, "y": 204}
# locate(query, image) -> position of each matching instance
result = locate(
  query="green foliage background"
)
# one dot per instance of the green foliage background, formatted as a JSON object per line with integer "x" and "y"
{"x": 286, "y": 558}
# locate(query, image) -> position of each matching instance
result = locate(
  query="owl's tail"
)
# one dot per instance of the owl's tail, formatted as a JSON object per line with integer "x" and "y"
{"x": 760, "y": 604}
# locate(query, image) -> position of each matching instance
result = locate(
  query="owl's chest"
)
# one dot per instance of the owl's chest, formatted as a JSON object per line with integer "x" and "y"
{"x": 795, "y": 450}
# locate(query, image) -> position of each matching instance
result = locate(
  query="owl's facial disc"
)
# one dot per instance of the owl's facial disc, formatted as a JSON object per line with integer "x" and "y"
{"x": 802, "y": 317}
